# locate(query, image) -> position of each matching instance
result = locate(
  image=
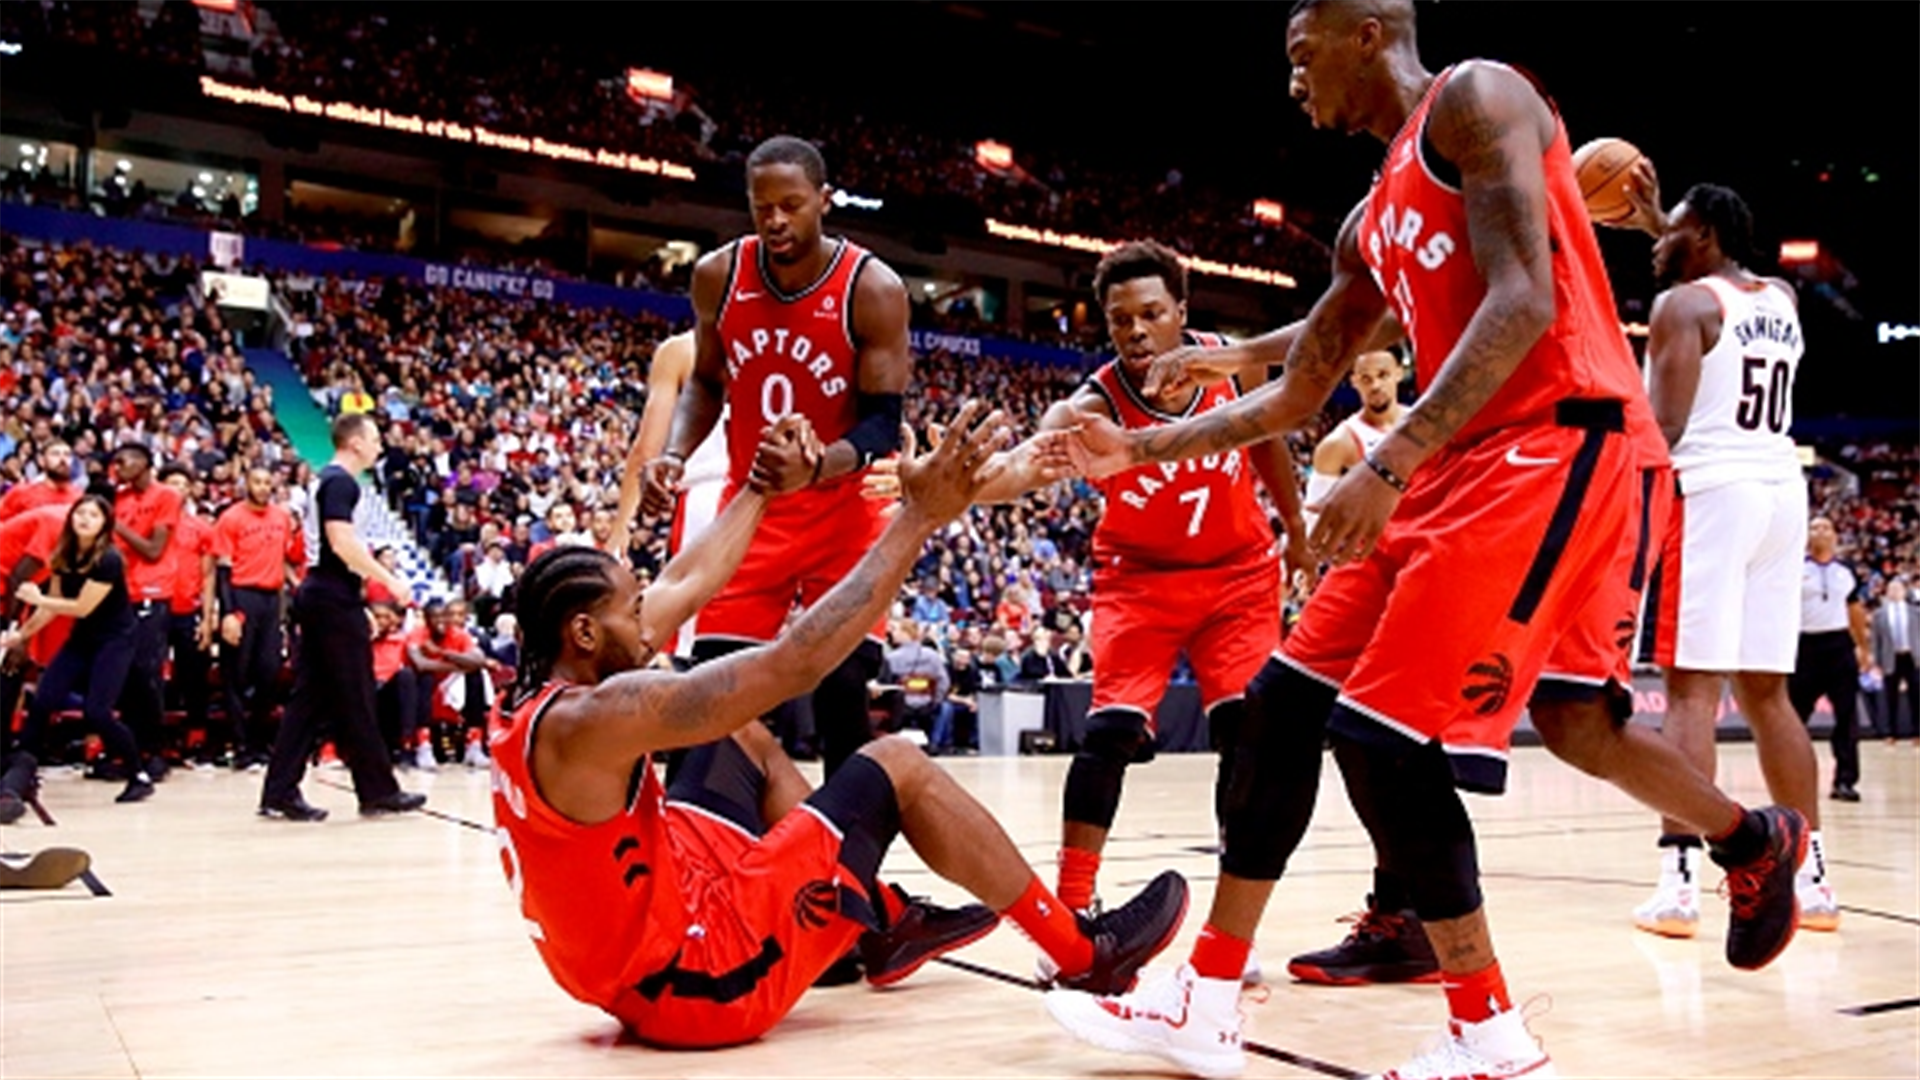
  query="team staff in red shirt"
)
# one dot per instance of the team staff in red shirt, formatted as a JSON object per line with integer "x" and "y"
{"x": 256, "y": 548}
{"x": 190, "y": 606}
{"x": 26, "y": 547}
{"x": 146, "y": 514}
{"x": 55, "y": 485}
{"x": 394, "y": 683}
{"x": 450, "y": 668}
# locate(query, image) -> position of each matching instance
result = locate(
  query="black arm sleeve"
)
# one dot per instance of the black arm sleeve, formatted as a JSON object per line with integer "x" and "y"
{"x": 878, "y": 432}
{"x": 223, "y": 589}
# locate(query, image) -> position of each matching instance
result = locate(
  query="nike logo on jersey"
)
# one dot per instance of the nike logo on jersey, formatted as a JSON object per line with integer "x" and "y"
{"x": 1516, "y": 458}
{"x": 741, "y": 296}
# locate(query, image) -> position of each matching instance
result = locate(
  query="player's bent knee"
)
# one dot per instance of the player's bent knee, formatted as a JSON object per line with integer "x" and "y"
{"x": 1113, "y": 741}
{"x": 1580, "y": 731}
{"x": 1265, "y": 788}
{"x": 902, "y": 761}
{"x": 1420, "y": 829}
{"x": 758, "y": 741}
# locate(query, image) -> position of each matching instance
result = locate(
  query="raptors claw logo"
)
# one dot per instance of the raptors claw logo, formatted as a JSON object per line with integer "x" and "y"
{"x": 815, "y": 904}
{"x": 1489, "y": 696}
{"x": 1623, "y": 633}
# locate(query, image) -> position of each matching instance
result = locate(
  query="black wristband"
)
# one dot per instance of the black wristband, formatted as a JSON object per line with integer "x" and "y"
{"x": 1386, "y": 474}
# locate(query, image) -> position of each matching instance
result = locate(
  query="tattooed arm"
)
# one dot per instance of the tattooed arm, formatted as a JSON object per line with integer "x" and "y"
{"x": 1492, "y": 124}
{"x": 586, "y": 747}
{"x": 1348, "y": 316}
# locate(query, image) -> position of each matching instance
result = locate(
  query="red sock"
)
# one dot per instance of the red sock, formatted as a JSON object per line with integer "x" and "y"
{"x": 1078, "y": 869}
{"x": 1219, "y": 955}
{"x": 1041, "y": 916}
{"x": 1477, "y": 996}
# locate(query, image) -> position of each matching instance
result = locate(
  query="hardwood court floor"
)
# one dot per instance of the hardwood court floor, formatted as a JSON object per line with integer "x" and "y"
{"x": 232, "y": 946}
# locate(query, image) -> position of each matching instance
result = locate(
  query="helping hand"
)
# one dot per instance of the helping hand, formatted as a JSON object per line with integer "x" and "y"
{"x": 1183, "y": 369}
{"x": 788, "y": 458}
{"x": 942, "y": 483}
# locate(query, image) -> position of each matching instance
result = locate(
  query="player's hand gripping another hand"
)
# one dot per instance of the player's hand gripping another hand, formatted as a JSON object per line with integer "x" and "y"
{"x": 788, "y": 458}
{"x": 1184, "y": 369}
{"x": 939, "y": 485}
{"x": 1100, "y": 447}
{"x": 660, "y": 484}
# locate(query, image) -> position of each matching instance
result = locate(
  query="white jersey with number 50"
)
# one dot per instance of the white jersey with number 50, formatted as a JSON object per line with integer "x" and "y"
{"x": 1744, "y": 405}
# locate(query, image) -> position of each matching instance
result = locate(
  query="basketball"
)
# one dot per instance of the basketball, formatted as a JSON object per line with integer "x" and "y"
{"x": 1602, "y": 167}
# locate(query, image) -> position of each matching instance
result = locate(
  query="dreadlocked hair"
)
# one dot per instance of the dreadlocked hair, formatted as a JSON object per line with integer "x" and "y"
{"x": 558, "y": 584}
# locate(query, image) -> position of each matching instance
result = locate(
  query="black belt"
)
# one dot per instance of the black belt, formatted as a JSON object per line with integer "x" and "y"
{"x": 1593, "y": 414}
{"x": 273, "y": 592}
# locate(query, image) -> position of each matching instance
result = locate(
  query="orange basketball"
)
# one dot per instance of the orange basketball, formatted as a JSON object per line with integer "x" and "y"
{"x": 1602, "y": 167}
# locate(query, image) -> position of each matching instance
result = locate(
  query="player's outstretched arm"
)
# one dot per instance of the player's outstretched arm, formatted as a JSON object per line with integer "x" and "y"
{"x": 704, "y": 393}
{"x": 672, "y": 364}
{"x": 706, "y": 561}
{"x": 1260, "y": 357}
{"x": 1042, "y": 459}
{"x": 640, "y": 712}
{"x": 1684, "y": 325}
{"x": 1348, "y": 316}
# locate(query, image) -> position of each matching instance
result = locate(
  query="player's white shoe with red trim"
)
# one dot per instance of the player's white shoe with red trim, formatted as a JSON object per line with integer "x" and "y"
{"x": 1498, "y": 1048}
{"x": 1178, "y": 1017}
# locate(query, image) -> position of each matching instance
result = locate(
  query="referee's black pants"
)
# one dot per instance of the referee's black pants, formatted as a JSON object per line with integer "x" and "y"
{"x": 1827, "y": 667}
{"x": 332, "y": 688}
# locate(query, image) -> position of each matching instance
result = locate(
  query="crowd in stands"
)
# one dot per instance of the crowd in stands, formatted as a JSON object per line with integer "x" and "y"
{"x": 415, "y": 61}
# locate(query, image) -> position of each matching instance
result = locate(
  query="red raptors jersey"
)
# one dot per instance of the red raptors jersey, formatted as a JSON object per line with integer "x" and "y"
{"x": 601, "y": 901}
{"x": 1413, "y": 235}
{"x": 1199, "y": 512}
{"x": 788, "y": 353}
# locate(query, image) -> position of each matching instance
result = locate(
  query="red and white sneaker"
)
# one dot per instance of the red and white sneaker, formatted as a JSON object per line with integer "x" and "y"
{"x": 1498, "y": 1048}
{"x": 1179, "y": 1017}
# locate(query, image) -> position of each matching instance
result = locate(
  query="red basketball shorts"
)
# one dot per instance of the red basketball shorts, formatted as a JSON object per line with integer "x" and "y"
{"x": 1517, "y": 557}
{"x": 807, "y": 542}
{"x": 770, "y": 911}
{"x": 1226, "y": 618}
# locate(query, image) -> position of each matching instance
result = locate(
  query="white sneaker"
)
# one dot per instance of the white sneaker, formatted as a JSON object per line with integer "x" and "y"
{"x": 1251, "y": 975}
{"x": 1498, "y": 1048}
{"x": 477, "y": 756}
{"x": 423, "y": 757}
{"x": 1674, "y": 909}
{"x": 1179, "y": 1017}
{"x": 1818, "y": 908}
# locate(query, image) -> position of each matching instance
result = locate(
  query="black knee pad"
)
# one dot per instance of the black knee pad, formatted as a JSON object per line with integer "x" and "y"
{"x": 1404, "y": 793}
{"x": 1270, "y": 772}
{"x": 1113, "y": 741}
{"x": 840, "y": 717}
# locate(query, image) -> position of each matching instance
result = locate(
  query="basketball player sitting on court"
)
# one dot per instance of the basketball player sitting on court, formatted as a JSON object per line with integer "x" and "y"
{"x": 700, "y": 913}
